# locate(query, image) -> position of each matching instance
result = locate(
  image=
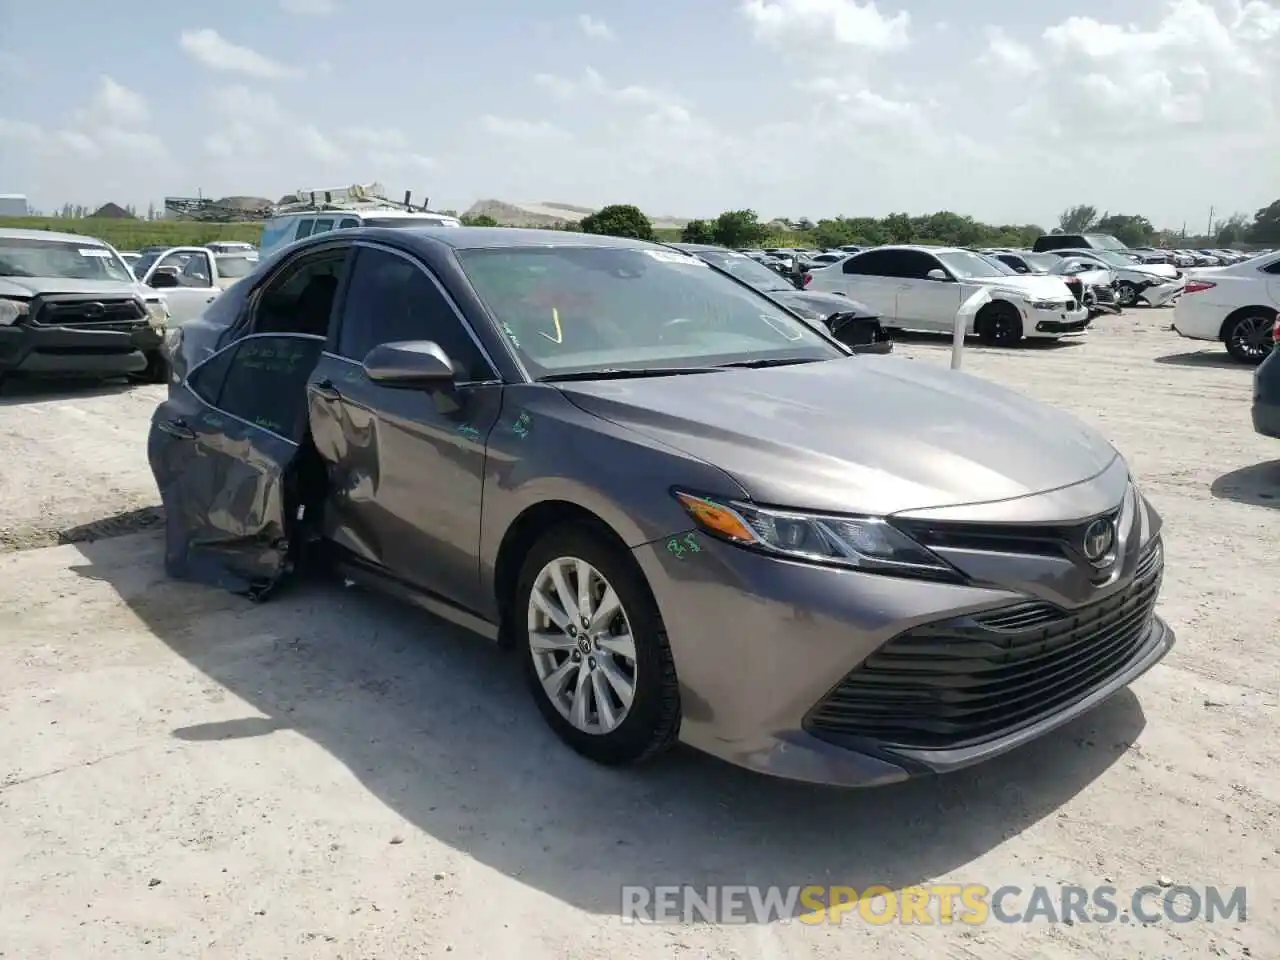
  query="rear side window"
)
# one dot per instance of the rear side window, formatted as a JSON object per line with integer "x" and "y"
{"x": 322, "y": 226}
{"x": 348, "y": 223}
{"x": 390, "y": 299}
{"x": 304, "y": 228}
{"x": 263, "y": 381}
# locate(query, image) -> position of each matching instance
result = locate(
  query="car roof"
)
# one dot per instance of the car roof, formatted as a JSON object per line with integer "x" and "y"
{"x": 494, "y": 238}
{"x": 47, "y": 235}
{"x": 921, "y": 247}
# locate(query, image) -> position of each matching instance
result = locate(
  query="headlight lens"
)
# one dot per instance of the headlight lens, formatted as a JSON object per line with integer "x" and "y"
{"x": 1045, "y": 305}
{"x": 157, "y": 313}
{"x": 11, "y": 310}
{"x": 864, "y": 543}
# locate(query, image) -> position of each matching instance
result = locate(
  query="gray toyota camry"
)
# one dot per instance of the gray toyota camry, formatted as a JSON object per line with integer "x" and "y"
{"x": 692, "y": 514}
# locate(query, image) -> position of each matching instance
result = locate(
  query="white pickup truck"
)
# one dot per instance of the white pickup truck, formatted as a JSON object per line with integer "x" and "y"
{"x": 191, "y": 278}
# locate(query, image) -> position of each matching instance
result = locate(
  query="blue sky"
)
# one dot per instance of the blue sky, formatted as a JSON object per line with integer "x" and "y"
{"x": 1007, "y": 110}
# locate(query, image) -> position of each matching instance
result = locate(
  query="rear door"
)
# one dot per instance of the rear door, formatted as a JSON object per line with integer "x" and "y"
{"x": 406, "y": 466}
{"x": 221, "y": 449}
{"x": 868, "y": 278}
{"x": 1272, "y": 273}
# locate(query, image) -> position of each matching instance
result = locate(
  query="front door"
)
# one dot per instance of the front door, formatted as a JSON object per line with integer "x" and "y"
{"x": 406, "y": 466}
{"x": 925, "y": 304}
{"x": 195, "y": 290}
{"x": 868, "y": 279}
{"x": 221, "y": 449}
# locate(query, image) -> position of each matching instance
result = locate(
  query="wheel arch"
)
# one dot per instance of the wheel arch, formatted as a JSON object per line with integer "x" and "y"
{"x": 524, "y": 531}
{"x": 1243, "y": 312}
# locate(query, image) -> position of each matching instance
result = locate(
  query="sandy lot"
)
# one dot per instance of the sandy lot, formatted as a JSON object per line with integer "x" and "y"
{"x": 331, "y": 775}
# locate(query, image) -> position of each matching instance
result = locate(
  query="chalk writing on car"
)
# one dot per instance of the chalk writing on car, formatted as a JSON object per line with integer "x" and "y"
{"x": 683, "y": 545}
{"x": 521, "y": 427}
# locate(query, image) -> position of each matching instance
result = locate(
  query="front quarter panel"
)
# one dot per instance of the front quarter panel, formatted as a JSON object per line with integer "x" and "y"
{"x": 545, "y": 449}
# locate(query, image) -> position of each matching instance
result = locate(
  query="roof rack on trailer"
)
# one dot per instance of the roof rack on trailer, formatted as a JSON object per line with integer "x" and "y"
{"x": 354, "y": 197}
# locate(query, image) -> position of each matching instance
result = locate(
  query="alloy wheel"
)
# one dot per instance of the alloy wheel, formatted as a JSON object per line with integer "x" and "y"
{"x": 582, "y": 646}
{"x": 1127, "y": 294}
{"x": 1251, "y": 337}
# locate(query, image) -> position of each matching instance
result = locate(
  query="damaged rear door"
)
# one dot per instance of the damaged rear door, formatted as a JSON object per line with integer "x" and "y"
{"x": 223, "y": 449}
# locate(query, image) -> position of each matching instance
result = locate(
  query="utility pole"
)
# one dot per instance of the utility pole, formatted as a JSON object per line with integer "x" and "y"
{"x": 1209, "y": 232}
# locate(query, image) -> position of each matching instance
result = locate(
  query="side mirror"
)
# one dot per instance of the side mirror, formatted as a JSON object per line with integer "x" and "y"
{"x": 408, "y": 364}
{"x": 163, "y": 280}
{"x": 1021, "y": 270}
{"x": 936, "y": 274}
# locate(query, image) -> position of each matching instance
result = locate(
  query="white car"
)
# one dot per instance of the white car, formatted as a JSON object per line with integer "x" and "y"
{"x": 1156, "y": 283}
{"x": 1234, "y": 305}
{"x": 191, "y": 278}
{"x": 923, "y": 288}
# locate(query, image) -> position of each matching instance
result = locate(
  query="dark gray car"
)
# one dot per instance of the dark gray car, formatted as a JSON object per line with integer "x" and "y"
{"x": 693, "y": 515}
{"x": 852, "y": 323}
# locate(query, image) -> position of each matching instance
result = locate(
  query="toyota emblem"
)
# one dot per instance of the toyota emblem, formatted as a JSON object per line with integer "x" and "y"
{"x": 1099, "y": 539}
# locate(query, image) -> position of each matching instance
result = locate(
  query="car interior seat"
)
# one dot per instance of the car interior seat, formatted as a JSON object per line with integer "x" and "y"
{"x": 314, "y": 304}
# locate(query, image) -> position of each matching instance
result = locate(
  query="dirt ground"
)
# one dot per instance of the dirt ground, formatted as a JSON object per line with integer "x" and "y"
{"x": 332, "y": 775}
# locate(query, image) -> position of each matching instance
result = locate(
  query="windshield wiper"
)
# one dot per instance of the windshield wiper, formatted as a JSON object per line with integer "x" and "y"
{"x": 619, "y": 373}
{"x": 771, "y": 362}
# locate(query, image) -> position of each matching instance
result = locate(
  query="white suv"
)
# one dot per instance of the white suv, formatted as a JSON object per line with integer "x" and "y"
{"x": 923, "y": 288}
{"x": 286, "y": 228}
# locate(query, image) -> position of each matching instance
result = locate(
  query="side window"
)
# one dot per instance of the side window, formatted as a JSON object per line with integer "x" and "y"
{"x": 323, "y": 226}
{"x": 265, "y": 382}
{"x": 390, "y": 299}
{"x": 304, "y": 228}
{"x": 871, "y": 264}
{"x": 205, "y": 380}
{"x": 196, "y": 272}
{"x": 348, "y": 223}
{"x": 299, "y": 299}
{"x": 914, "y": 265}
{"x": 1273, "y": 267}
{"x": 276, "y": 232}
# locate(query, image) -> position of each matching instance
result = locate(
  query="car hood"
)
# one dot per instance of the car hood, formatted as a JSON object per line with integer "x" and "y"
{"x": 851, "y": 436}
{"x": 1033, "y": 287}
{"x": 34, "y": 286}
{"x": 1163, "y": 272}
{"x": 820, "y": 305}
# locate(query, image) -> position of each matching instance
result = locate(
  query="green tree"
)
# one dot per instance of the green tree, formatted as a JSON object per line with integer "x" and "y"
{"x": 1232, "y": 230}
{"x": 1077, "y": 219}
{"x": 618, "y": 220}
{"x": 1266, "y": 225}
{"x": 739, "y": 228}
{"x": 698, "y": 231}
{"x": 1131, "y": 230}
{"x": 482, "y": 220}
{"x": 899, "y": 228}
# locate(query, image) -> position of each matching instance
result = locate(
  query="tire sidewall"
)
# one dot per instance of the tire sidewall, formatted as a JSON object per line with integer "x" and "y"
{"x": 636, "y": 735}
{"x": 1228, "y": 340}
{"x": 989, "y": 331}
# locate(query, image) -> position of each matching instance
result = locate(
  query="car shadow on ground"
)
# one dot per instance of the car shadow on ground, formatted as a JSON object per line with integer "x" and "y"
{"x": 438, "y": 725}
{"x": 20, "y": 390}
{"x": 1202, "y": 358}
{"x": 1257, "y": 486}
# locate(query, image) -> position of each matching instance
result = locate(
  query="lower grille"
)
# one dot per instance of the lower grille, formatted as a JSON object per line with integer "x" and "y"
{"x": 971, "y": 679}
{"x": 122, "y": 314}
{"x": 1104, "y": 294}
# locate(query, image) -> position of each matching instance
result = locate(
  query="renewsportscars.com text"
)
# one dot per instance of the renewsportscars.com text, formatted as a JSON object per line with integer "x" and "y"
{"x": 969, "y": 904}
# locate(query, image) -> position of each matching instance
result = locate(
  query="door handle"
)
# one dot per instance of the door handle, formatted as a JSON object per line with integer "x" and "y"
{"x": 177, "y": 427}
{"x": 325, "y": 390}
{"x": 211, "y": 299}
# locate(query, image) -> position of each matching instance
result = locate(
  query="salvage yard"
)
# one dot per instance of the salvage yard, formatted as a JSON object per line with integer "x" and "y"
{"x": 332, "y": 774}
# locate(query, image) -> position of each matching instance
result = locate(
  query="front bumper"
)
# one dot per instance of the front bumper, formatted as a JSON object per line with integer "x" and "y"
{"x": 764, "y": 649}
{"x": 76, "y": 351}
{"x": 1159, "y": 294}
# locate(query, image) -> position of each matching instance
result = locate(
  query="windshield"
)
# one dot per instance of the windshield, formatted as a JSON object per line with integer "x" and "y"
{"x": 746, "y": 270}
{"x": 234, "y": 267}
{"x": 971, "y": 266}
{"x": 573, "y": 310}
{"x": 1104, "y": 241}
{"x": 1045, "y": 261}
{"x": 144, "y": 262}
{"x": 61, "y": 259}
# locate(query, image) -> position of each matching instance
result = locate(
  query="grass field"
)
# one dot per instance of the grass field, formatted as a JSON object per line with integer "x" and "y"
{"x": 133, "y": 234}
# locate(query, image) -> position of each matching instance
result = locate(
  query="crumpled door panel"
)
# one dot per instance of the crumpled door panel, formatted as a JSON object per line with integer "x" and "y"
{"x": 227, "y": 491}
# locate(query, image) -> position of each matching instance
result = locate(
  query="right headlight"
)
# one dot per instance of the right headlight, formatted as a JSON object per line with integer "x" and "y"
{"x": 860, "y": 542}
{"x": 11, "y": 310}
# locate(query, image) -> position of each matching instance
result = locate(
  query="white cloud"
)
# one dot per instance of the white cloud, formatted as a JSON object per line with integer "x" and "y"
{"x": 114, "y": 103}
{"x": 113, "y": 124}
{"x": 1005, "y": 53}
{"x": 516, "y": 129}
{"x": 210, "y": 48}
{"x": 818, "y": 23}
{"x": 595, "y": 27}
{"x": 591, "y": 84}
{"x": 309, "y": 8}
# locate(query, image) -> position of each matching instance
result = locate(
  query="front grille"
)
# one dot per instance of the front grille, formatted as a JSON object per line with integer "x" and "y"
{"x": 970, "y": 679}
{"x": 1104, "y": 294}
{"x": 107, "y": 314}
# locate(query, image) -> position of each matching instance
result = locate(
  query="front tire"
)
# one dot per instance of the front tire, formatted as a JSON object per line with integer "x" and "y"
{"x": 999, "y": 325}
{"x": 595, "y": 649}
{"x": 1126, "y": 294}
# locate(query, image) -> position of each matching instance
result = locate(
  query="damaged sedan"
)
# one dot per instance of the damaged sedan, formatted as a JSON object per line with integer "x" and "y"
{"x": 692, "y": 514}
